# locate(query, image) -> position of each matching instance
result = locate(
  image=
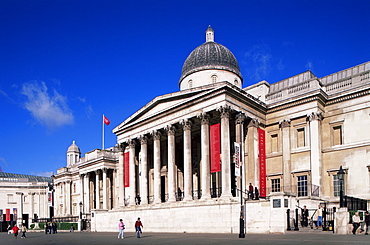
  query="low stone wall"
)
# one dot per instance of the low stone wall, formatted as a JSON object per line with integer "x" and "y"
{"x": 192, "y": 217}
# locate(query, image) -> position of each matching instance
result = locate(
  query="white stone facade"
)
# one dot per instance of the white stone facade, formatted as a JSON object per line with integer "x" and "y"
{"x": 311, "y": 125}
{"x": 26, "y": 197}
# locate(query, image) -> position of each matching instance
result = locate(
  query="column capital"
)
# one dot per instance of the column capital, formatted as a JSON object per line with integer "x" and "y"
{"x": 284, "y": 123}
{"x": 315, "y": 116}
{"x": 254, "y": 123}
{"x": 132, "y": 143}
{"x": 240, "y": 118}
{"x": 224, "y": 111}
{"x": 121, "y": 147}
{"x": 186, "y": 124}
{"x": 170, "y": 129}
{"x": 143, "y": 139}
{"x": 156, "y": 135}
{"x": 204, "y": 118}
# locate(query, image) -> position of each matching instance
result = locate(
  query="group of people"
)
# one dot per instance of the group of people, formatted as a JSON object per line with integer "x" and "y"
{"x": 15, "y": 230}
{"x": 253, "y": 193}
{"x": 356, "y": 222}
{"x": 51, "y": 228}
{"x": 121, "y": 228}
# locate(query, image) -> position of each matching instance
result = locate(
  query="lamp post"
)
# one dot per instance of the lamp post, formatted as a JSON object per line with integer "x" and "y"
{"x": 340, "y": 175}
{"x": 240, "y": 119}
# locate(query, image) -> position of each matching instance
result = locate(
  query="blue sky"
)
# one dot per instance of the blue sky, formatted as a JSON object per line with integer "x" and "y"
{"x": 65, "y": 63}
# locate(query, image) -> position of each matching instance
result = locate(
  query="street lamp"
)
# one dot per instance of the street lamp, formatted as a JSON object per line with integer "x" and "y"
{"x": 81, "y": 210}
{"x": 340, "y": 175}
{"x": 239, "y": 120}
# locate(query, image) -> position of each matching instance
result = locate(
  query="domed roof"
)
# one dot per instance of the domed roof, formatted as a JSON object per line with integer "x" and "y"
{"x": 210, "y": 55}
{"x": 73, "y": 147}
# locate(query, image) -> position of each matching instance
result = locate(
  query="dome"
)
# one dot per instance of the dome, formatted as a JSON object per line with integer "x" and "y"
{"x": 73, "y": 148}
{"x": 210, "y": 55}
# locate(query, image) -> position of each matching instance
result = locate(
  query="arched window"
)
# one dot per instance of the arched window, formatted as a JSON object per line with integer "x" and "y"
{"x": 190, "y": 83}
{"x": 236, "y": 82}
{"x": 214, "y": 78}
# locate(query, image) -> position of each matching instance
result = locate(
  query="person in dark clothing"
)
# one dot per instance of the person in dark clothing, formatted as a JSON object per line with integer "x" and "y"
{"x": 304, "y": 214}
{"x": 250, "y": 191}
{"x": 138, "y": 226}
{"x": 138, "y": 199}
{"x": 367, "y": 221}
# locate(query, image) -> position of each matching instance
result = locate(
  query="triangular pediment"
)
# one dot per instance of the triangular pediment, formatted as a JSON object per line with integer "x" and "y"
{"x": 161, "y": 104}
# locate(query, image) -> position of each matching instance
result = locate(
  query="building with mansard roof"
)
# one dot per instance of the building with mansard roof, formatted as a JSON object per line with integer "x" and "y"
{"x": 191, "y": 155}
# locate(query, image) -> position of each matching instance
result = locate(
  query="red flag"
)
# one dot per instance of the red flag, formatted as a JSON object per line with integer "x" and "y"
{"x": 106, "y": 120}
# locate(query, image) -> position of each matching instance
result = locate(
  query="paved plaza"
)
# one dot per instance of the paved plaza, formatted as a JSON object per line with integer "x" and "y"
{"x": 183, "y": 238}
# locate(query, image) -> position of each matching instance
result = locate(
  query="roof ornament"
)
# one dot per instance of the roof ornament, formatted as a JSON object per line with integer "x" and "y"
{"x": 210, "y": 36}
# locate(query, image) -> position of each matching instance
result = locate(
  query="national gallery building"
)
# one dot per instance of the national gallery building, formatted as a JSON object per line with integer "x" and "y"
{"x": 184, "y": 162}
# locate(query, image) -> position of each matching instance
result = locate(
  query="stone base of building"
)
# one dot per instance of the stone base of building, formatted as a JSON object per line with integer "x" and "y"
{"x": 201, "y": 216}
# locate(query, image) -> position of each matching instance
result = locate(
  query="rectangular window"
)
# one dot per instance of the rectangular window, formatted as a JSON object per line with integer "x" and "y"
{"x": 337, "y": 186}
{"x": 337, "y": 135}
{"x": 10, "y": 198}
{"x": 302, "y": 186}
{"x": 300, "y": 137}
{"x": 275, "y": 185}
{"x": 274, "y": 143}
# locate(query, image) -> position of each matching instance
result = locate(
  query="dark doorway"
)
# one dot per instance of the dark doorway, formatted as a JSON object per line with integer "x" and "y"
{"x": 163, "y": 188}
{"x": 25, "y": 219}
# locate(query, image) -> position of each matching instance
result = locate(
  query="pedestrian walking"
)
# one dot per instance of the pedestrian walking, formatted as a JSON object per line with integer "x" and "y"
{"x": 24, "y": 230}
{"x": 121, "y": 227}
{"x": 138, "y": 226}
{"x": 15, "y": 231}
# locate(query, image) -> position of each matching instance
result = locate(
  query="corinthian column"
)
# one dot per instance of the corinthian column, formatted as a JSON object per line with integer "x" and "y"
{"x": 104, "y": 188}
{"x": 97, "y": 193}
{"x": 285, "y": 128}
{"x": 144, "y": 170}
{"x": 87, "y": 193}
{"x": 157, "y": 167}
{"x": 205, "y": 163}
{"x": 225, "y": 150}
{"x": 188, "y": 195}
{"x": 121, "y": 176}
{"x": 171, "y": 163}
{"x": 132, "y": 188}
{"x": 315, "y": 152}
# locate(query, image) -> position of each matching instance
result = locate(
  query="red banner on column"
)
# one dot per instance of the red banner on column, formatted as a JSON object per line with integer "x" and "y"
{"x": 215, "y": 148}
{"x": 127, "y": 169}
{"x": 262, "y": 155}
{"x": 7, "y": 214}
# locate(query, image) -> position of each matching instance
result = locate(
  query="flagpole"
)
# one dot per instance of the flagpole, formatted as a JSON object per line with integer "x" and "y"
{"x": 103, "y": 133}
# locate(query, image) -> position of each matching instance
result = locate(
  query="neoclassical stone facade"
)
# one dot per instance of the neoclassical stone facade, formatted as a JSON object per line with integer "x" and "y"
{"x": 24, "y": 198}
{"x": 295, "y": 134}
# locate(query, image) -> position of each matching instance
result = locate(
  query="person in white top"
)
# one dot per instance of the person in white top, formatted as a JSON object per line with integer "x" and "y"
{"x": 355, "y": 222}
{"x": 319, "y": 217}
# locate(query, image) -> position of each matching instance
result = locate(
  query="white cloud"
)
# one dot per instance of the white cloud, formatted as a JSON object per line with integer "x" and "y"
{"x": 258, "y": 62}
{"x": 50, "y": 110}
{"x": 309, "y": 65}
{"x": 45, "y": 174}
{"x": 2, "y": 160}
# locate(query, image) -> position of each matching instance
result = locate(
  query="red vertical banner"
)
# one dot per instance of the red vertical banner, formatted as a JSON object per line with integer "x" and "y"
{"x": 262, "y": 156}
{"x": 7, "y": 214}
{"x": 127, "y": 169}
{"x": 215, "y": 147}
